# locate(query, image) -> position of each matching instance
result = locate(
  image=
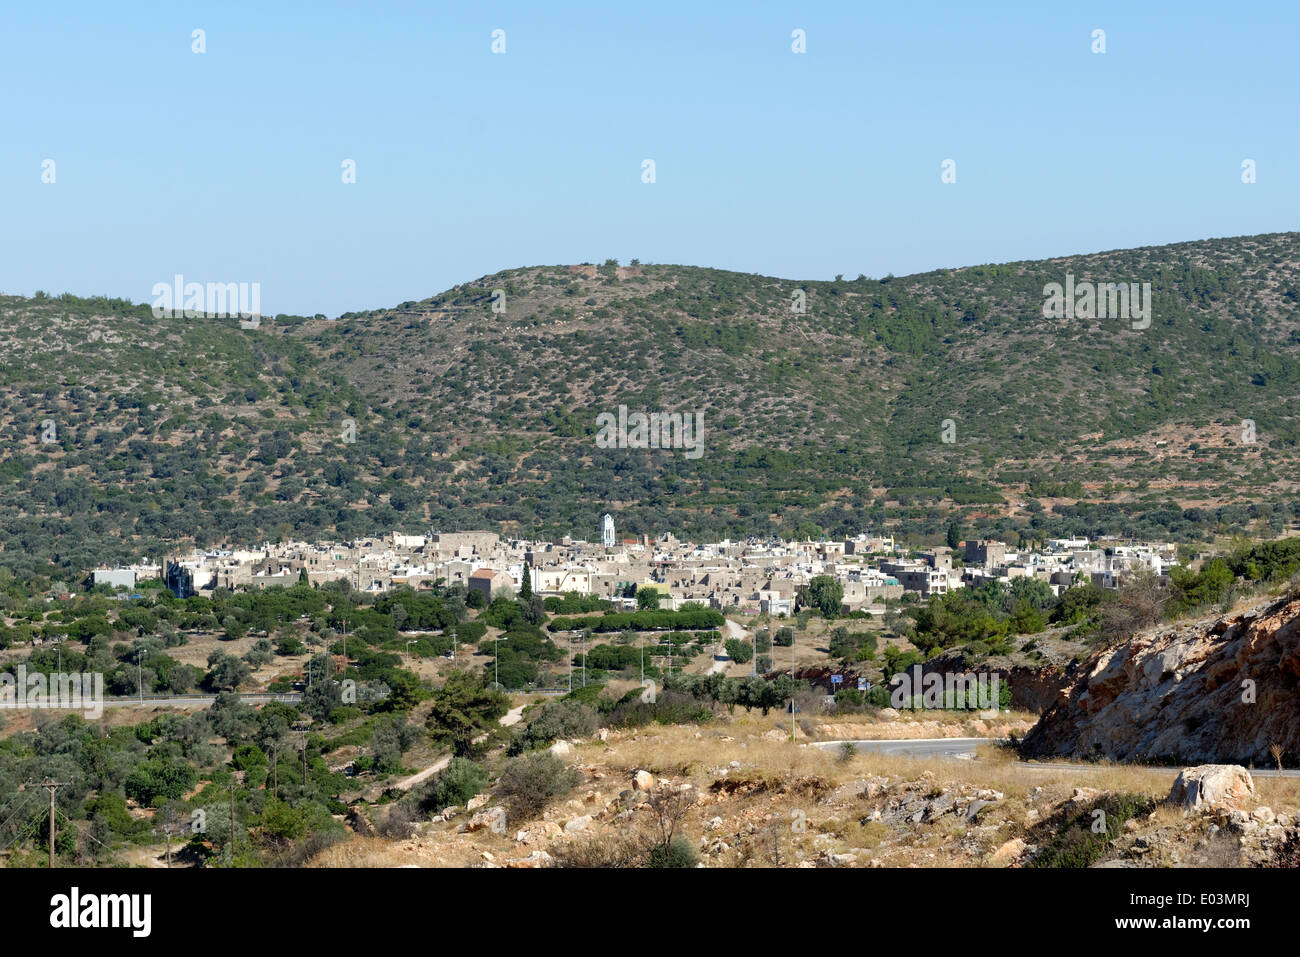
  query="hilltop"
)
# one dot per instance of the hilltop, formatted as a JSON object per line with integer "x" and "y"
{"x": 828, "y": 420}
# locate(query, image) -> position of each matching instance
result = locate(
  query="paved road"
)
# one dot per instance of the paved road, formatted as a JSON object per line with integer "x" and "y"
{"x": 195, "y": 700}
{"x": 918, "y": 747}
{"x": 968, "y": 748}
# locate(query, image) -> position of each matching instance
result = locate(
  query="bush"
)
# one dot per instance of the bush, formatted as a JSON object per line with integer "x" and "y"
{"x": 399, "y": 823}
{"x": 469, "y": 632}
{"x": 669, "y": 707}
{"x": 288, "y": 645}
{"x": 554, "y": 720}
{"x": 454, "y": 785}
{"x": 1075, "y": 844}
{"x": 739, "y": 651}
{"x": 679, "y": 853}
{"x": 530, "y": 782}
{"x": 158, "y": 780}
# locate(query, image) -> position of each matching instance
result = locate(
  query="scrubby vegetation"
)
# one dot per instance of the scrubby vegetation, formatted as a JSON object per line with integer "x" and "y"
{"x": 822, "y": 422}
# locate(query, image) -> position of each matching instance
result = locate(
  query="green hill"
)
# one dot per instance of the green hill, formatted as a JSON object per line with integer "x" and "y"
{"x": 830, "y": 420}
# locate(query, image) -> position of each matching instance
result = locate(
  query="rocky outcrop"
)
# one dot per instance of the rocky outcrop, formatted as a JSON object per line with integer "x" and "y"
{"x": 1214, "y": 787}
{"x": 1218, "y": 690}
{"x": 1035, "y": 688}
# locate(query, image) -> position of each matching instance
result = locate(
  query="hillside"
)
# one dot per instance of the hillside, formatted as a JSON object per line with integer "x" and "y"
{"x": 829, "y": 420}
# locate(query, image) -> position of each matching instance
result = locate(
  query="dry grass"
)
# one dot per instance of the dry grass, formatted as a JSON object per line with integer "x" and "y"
{"x": 361, "y": 852}
{"x": 697, "y": 754}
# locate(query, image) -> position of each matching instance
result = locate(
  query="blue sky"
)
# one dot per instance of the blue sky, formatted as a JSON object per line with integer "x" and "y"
{"x": 226, "y": 166}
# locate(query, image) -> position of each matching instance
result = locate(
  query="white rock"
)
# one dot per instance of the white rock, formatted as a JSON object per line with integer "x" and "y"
{"x": 1213, "y": 787}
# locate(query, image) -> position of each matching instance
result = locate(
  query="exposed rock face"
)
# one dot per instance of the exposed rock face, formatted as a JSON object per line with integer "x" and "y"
{"x": 1215, "y": 787}
{"x": 1216, "y": 690}
{"x": 1033, "y": 687}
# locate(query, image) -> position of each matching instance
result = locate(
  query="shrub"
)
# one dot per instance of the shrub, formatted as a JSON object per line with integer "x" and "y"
{"x": 399, "y": 823}
{"x": 287, "y": 645}
{"x": 530, "y": 782}
{"x": 669, "y": 707}
{"x": 678, "y": 853}
{"x": 556, "y": 719}
{"x": 1075, "y": 844}
{"x": 739, "y": 651}
{"x": 453, "y": 785}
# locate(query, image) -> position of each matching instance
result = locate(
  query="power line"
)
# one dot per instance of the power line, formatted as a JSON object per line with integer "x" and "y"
{"x": 21, "y": 830}
{"x": 27, "y": 798}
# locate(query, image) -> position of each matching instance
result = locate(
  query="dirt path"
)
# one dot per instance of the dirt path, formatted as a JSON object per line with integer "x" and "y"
{"x": 511, "y": 717}
{"x": 721, "y": 662}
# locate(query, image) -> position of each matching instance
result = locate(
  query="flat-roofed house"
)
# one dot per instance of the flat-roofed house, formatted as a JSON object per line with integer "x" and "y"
{"x": 489, "y": 582}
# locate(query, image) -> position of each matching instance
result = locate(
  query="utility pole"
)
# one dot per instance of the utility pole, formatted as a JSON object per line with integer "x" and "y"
{"x": 230, "y": 844}
{"x": 302, "y": 729}
{"x": 53, "y": 786}
{"x": 168, "y": 828}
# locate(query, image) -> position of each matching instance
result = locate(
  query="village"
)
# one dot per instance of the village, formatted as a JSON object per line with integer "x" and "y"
{"x": 750, "y": 577}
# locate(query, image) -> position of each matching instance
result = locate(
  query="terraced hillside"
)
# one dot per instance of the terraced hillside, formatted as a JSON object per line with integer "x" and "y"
{"x": 477, "y": 408}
